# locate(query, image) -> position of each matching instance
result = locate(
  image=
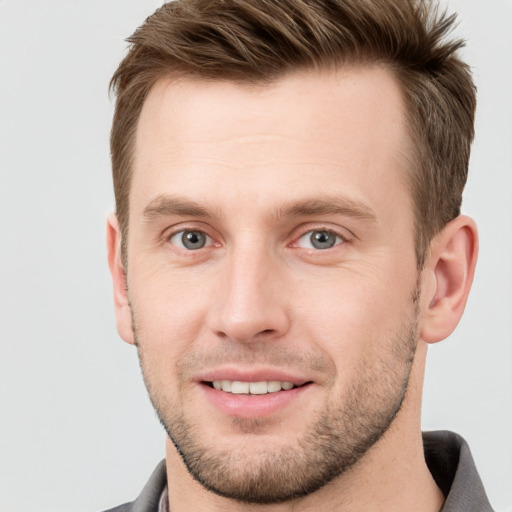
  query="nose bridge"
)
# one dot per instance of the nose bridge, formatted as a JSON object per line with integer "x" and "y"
{"x": 252, "y": 304}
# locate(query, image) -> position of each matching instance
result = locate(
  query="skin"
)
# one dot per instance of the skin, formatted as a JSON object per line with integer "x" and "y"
{"x": 257, "y": 169}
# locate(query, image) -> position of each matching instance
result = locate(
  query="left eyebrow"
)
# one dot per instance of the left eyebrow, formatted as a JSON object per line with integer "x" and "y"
{"x": 328, "y": 206}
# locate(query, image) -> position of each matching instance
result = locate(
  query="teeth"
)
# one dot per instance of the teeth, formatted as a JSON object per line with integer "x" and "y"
{"x": 252, "y": 388}
{"x": 258, "y": 388}
{"x": 239, "y": 388}
{"x": 274, "y": 386}
{"x": 225, "y": 385}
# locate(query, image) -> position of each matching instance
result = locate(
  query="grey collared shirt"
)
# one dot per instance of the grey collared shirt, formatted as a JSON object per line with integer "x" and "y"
{"x": 449, "y": 460}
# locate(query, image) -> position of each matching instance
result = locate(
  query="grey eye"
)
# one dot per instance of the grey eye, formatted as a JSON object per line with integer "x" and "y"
{"x": 190, "y": 240}
{"x": 319, "y": 240}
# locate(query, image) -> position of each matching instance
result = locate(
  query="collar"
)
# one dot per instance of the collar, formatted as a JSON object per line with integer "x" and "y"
{"x": 449, "y": 460}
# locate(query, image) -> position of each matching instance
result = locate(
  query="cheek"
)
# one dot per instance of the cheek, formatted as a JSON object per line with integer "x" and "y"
{"x": 354, "y": 315}
{"x": 170, "y": 310}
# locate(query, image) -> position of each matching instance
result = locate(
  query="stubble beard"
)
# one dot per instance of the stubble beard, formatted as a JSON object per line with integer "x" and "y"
{"x": 337, "y": 440}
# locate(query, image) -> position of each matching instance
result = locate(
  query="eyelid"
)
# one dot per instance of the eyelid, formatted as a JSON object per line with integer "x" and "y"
{"x": 343, "y": 233}
{"x": 180, "y": 228}
{"x": 307, "y": 237}
{"x": 178, "y": 243}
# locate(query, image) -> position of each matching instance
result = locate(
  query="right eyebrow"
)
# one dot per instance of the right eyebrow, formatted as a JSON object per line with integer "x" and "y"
{"x": 165, "y": 205}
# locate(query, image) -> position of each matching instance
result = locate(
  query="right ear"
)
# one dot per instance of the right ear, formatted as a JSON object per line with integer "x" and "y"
{"x": 115, "y": 263}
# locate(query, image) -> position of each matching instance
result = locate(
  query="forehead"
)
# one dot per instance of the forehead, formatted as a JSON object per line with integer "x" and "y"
{"x": 343, "y": 129}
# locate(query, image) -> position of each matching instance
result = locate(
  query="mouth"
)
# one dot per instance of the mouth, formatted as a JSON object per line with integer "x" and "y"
{"x": 236, "y": 387}
{"x": 254, "y": 397}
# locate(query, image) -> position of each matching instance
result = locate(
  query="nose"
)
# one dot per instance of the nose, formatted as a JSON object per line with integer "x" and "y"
{"x": 251, "y": 298}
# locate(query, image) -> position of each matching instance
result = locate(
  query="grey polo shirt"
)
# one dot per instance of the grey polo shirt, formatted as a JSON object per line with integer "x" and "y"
{"x": 447, "y": 455}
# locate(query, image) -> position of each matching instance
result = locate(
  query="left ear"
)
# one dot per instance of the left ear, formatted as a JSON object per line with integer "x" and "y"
{"x": 447, "y": 279}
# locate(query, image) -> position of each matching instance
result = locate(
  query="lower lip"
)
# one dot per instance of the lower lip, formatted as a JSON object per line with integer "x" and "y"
{"x": 252, "y": 406}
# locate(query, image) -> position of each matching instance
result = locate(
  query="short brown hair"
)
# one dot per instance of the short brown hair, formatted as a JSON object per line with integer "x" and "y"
{"x": 259, "y": 41}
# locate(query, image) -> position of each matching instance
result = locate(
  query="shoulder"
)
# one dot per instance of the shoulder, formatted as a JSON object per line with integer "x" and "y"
{"x": 149, "y": 498}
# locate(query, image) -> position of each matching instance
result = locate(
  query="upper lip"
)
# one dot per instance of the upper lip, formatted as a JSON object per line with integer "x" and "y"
{"x": 252, "y": 375}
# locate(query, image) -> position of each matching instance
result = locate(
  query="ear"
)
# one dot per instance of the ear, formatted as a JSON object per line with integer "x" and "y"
{"x": 447, "y": 278}
{"x": 121, "y": 303}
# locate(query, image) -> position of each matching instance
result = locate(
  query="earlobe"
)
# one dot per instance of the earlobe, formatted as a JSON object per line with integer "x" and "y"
{"x": 449, "y": 273}
{"x": 117, "y": 271}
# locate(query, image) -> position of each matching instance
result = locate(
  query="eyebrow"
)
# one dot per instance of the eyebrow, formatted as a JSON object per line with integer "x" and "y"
{"x": 328, "y": 206}
{"x": 165, "y": 205}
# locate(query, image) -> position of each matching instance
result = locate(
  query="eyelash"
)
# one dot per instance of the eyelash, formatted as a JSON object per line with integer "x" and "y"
{"x": 181, "y": 233}
{"x": 209, "y": 241}
{"x": 339, "y": 239}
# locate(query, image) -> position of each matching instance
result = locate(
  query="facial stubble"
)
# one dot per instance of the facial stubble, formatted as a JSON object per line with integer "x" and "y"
{"x": 335, "y": 442}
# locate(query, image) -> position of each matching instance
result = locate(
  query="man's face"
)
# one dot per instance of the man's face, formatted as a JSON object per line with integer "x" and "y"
{"x": 270, "y": 244}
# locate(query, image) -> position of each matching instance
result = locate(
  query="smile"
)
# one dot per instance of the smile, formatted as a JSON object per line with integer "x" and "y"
{"x": 251, "y": 388}
{"x": 253, "y": 398}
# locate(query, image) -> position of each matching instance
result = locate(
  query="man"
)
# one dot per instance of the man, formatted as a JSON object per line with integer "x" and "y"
{"x": 286, "y": 244}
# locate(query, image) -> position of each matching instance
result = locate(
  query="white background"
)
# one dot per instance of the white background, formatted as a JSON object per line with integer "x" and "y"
{"x": 76, "y": 429}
